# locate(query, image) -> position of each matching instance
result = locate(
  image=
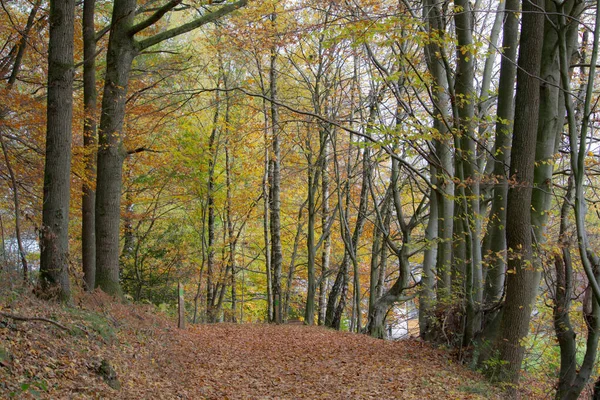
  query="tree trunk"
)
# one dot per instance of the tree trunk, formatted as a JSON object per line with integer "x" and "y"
{"x": 326, "y": 252}
{"x": 467, "y": 157}
{"x": 180, "y": 306}
{"x": 275, "y": 201}
{"x": 313, "y": 184}
{"x": 111, "y": 153}
{"x": 522, "y": 280}
{"x": 211, "y": 287}
{"x": 292, "y": 267}
{"x": 494, "y": 282}
{"x": 54, "y": 242}
{"x": 88, "y": 201}
{"x": 444, "y": 184}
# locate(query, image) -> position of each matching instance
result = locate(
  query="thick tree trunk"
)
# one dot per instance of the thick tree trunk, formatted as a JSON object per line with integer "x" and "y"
{"x": 111, "y": 153}
{"x": 54, "y": 243}
{"x": 522, "y": 280}
{"x": 426, "y": 293}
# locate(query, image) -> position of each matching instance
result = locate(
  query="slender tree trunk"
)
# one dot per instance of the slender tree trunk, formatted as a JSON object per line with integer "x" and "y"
{"x": 54, "y": 266}
{"x": 211, "y": 287}
{"x": 467, "y": 157}
{"x": 16, "y": 68}
{"x": 522, "y": 280}
{"x": 326, "y": 252}
{"x": 232, "y": 240}
{"x": 292, "y": 267}
{"x": 494, "y": 283}
{"x": 443, "y": 181}
{"x": 15, "y": 198}
{"x": 88, "y": 201}
{"x": 267, "y": 217}
{"x": 313, "y": 179}
{"x": 275, "y": 201}
{"x": 578, "y": 143}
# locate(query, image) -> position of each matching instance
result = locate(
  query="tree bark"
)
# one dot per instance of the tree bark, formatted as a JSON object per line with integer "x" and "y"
{"x": 211, "y": 287}
{"x": 275, "y": 188}
{"x": 88, "y": 201}
{"x": 522, "y": 280}
{"x": 111, "y": 152}
{"x": 467, "y": 158}
{"x": 54, "y": 242}
{"x": 494, "y": 282}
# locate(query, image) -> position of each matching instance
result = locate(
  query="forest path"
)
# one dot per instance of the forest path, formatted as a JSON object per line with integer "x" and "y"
{"x": 276, "y": 362}
{"x": 152, "y": 359}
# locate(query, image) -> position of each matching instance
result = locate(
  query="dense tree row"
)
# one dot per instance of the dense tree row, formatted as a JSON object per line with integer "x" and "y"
{"x": 324, "y": 161}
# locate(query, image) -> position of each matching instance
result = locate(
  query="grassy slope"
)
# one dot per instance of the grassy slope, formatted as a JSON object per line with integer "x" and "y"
{"x": 154, "y": 360}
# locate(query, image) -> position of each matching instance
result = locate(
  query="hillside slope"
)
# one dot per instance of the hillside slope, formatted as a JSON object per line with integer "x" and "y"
{"x": 144, "y": 356}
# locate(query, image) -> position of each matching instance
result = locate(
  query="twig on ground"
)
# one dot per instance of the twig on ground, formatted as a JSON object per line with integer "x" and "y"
{"x": 41, "y": 319}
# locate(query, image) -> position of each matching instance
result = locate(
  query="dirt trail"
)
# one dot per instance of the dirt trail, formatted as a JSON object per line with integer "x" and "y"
{"x": 275, "y": 362}
{"x": 154, "y": 360}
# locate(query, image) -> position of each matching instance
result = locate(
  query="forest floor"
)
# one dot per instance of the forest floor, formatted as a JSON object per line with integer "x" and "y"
{"x": 144, "y": 356}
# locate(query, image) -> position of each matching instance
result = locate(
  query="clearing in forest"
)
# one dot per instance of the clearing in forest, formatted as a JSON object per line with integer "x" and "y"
{"x": 151, "y": 359}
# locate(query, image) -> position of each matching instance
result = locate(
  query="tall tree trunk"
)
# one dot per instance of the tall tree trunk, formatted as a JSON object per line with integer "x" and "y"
{"x": 17, "y": 210}
{"x": 522, "y": 280}
{"x": 211, "y": 287}
{"x": 275, "y": 188}
{"x": 54, "y": 266}
{"x": 494, "y": 283}
{"x": 232, "y": 240}
{"x": 111, "y": 152}
{"x": 336, "y": 302}
{"x": 292, "y": 267}
{"x": 578, "y": 142}
{"x": 88, "y": 200}
{"x": 443, "y": 181}
{"x": 267, "y": 216}
{"x": 313, "y": 184}
{"x": 468, "y": 159}
{"x": 326, "y": 252}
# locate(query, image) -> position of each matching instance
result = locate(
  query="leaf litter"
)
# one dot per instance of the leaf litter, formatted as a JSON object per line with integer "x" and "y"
{"x": 152, "y": 359}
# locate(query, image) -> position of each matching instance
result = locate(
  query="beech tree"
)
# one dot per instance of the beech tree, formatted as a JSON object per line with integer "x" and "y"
{"x": 522, "y": 280}
{"x": 54, "y": 243}
{"x": 122, "y": 49}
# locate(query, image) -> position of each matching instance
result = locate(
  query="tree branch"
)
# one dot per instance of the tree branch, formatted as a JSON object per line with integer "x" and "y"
{"x": 190, "y": 26}
{"x": 21, "y": 318}
{"x": 154, "y": 18}
{"x": 141, "y": 149}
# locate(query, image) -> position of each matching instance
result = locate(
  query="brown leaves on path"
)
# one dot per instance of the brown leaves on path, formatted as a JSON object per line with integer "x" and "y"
{"x": 269, "y": 362}
{"x": 155, "y": 360}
